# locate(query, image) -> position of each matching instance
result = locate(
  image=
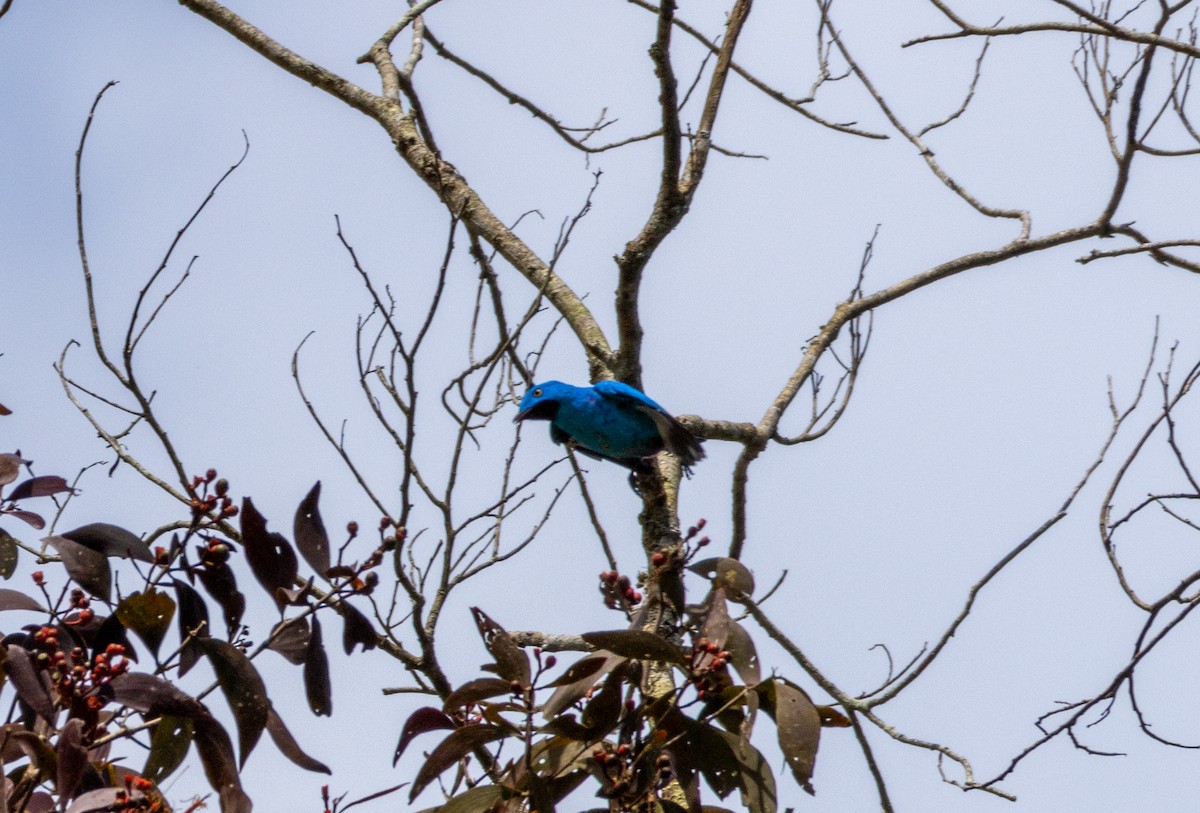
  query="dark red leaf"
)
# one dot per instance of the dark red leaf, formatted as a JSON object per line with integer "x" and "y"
{"x": 729, "y": 764}
{"x": 23, "y": 675}
{"x": 193, "y": 621}
{"x": 479, "y": 799}
{"x": 603, "y": 710}
{"x": 9, "y": 553}
{"x": 111, "y": 540}
{"x": 716, "y": 618}
{"x": 713, "y": 756}
{"x": 216, "y": 754}
{"x": 220, "y": 583}
{"x": 104, "y": 799}
{"x": 271, "y": 557}
{"x": 473, "y": 691}
{"x": 423, "y": 719}
{"x": 10, "y": 468}
{"x": 639, "y": 645}
{"x": 309, "y": 531}
{"x": 705, "y": 567}
{"x": 288, "y": 746}
{"x": 799, "y": 726}
{"x": 357, "y": 629}
{"x": 87, "y": 567}
{"x": 290, "y": 639}
{"x": 512, "y": 663}
{"x": 109, "y": 630}
{"x": 742, "y": 654}
{"x": 244, "y": 690}
{"x": 735, "y": 577}
{"x": 31, "y": 519}
{"x": 16, "y": 600}
{"x": 148, "y": 614}
{"x": 832, "y": 718}
{"x": 565, "y": 725}
{"x": 153, "y": 696}
{"x": 588, "y": 673}
{"x": 44, "y": 486}
{"x": 316, "y": 674}
{"x": 580, "y": 670}
{"x": 450, "y": 750}
{"x": 72, "y": 758}
{"x": 169, "y": 744}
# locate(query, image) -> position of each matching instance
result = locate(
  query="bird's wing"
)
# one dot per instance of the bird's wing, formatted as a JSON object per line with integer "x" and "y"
{"x": 678, "y": 440}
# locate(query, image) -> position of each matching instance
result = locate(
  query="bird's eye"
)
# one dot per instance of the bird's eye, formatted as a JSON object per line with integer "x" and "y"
{"x": 537, "y": 393}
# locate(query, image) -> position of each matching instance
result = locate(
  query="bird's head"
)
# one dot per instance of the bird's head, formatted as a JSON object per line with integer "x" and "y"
{"x": 541, "y": 401}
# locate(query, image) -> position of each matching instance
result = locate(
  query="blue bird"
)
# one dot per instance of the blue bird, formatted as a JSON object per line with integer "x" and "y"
{"x": 610, "y": 421}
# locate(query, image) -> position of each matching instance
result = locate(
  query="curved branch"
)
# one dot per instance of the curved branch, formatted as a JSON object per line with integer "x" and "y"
{"x": 676, "y": 187}
{"x": 448, "y": 184}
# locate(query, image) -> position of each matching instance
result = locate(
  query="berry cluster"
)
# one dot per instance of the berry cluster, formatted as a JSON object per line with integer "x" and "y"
{"x": 138, "y": 796}
{"x": 617, "y": 590}
{"x": 74, "y": 676}
{"x": 710, "y": 667}
{"x": 615, "y": 768}
{"x": 215, "y": 504}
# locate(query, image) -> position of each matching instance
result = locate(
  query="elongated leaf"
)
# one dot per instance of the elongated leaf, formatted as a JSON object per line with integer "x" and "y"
{"x": 10, "y": 468}
{"x": 153, "y": 696}
{"x": 316, "y": 674}
{"x": 603, "y": 710}
{"x": 637, "y": 644}
{"x": 742, "y": 654}
{"x": 193, "y": 621}
{"x": 87, "y": 567}
{"x": 568, "y": 692}
{"x": 290, "y": 639}
{"x": 713, "y": 756}
{"x": 111, "y": 540}
{"x": 479, "y": 799}
{"x": 220, "y": 583}
{"x": 110, "y": 630}
{"x": 72, "y": 758}
{"x": 450, "y": 750}
{"x": 35, "y": 521}
{"x": 356, "y": 629}
{"x": 148, "y": 614}
{"x": 168, "y": 746}
{"x": 832, "y": 718}
{"x": 423, "y": 719}
{"x": 39, "y": 487}
{"x": 16, "y": 600}
{"x": 735, "y": 577}
{"x": 9, "y": 553}
{"x": 475, "y": 690}
{"x": 309, "y": 531}
{"x": 716, "y": 620}
{"x": 216, "y": 755}
{"x": 799, "y": 726}
{"x": 288, "y": 746}
{"x": 103, "y": 799}
{"x": 271, "y": 557}
{"x": 728, "y": 764}
{"x": 244, "y": 690}
{"x": 18, "y": 665}
{"x": 580, "y": 670}
{"x": 511, "y": 661}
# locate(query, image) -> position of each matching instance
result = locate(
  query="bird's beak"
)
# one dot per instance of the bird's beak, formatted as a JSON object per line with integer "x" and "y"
{"x": 522, "y": 415}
